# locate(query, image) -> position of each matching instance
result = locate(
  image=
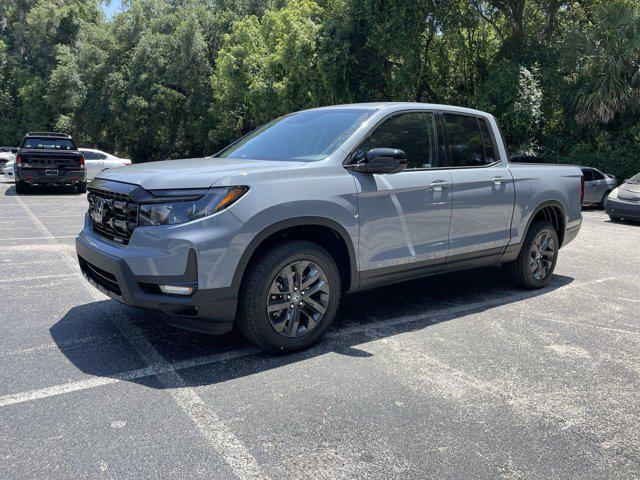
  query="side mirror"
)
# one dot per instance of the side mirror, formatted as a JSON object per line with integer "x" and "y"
{"x": 381, "y": 160}
{"x": 14, "y": 150}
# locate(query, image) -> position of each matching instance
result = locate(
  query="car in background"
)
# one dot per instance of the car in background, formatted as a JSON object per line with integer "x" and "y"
{"x": 623, "y": 203}
{"x": 97, "y": 161}
{"x": 5, "y": 157}
{"x": 7, "y": 171}
{"x": 597, "y": 186}
{"x": 49, "y": 158}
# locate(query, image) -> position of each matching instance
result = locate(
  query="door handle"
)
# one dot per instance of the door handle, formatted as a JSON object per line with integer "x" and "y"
{"x": 438, "y": 185}
{"x": 499, "y": 180}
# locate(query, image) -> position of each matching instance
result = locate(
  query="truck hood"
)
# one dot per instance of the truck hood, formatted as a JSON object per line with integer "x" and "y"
{"x": 191, "y": 172}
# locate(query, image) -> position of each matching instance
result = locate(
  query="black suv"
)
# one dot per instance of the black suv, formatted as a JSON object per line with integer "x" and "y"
{"x": 49, "y": 158}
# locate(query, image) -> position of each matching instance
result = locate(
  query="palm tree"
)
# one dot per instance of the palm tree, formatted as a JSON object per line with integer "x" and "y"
{"x": 607, "y": 59}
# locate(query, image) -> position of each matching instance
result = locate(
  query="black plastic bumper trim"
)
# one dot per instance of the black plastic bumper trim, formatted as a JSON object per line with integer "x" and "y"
{"x": 206, "y": 310}
{"x": 623, "y": 209}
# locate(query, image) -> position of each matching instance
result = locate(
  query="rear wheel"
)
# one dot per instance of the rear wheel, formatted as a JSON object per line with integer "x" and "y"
{"x": 290, "y": 297}
{"x": 81, "y": 187}
{"x": 21, "y": 187}
{"x": 537, "y": 259}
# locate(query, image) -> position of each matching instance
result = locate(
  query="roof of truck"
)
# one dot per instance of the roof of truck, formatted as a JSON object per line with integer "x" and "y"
{"x": 405, "y": 105}
{"x": 48, "y": 134}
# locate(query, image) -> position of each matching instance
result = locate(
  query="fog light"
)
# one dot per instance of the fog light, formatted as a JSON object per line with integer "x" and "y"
{"x": 176, "y": 290}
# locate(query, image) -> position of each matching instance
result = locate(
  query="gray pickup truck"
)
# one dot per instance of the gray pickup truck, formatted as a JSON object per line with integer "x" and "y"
{"x": 269, "y": 233}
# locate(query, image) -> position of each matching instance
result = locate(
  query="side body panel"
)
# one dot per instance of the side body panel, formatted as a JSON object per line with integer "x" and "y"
{"x": 402, "y": 218}
{"x": 536, "y": 184}
{"x": 482, "y": 209}
{"x": 324, "y": 191}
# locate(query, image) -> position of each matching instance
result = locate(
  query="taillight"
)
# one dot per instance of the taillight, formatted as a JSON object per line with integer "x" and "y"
{"x": 82, "y": 160}
{"x": 19, "y": 159}
{"x": 581, "y": 189}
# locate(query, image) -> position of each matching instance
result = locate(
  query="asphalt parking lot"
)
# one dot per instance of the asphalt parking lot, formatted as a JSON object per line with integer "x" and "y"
{"x": 457, "y": 376}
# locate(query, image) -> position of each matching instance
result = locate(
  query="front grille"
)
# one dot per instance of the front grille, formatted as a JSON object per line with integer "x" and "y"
{"x": 113, "y": 215}
{"x": 103, "y": 278}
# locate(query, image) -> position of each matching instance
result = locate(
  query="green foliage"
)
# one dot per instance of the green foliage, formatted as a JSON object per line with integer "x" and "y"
{"x": 606, "y": 56}
{"x": 179, "y": 78}
{"x": 267, "y": 67}
{"x": 513, "y": 93}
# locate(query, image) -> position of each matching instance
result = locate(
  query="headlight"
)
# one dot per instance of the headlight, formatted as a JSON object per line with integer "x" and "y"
{"x": 186, "y": 208}
{"x": 613, "y": 194}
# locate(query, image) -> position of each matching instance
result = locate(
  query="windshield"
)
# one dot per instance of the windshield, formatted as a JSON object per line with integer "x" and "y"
{"x": 50, "y": 143}
{"x": 634, "y": 179}
{"x": 309, "y": 135}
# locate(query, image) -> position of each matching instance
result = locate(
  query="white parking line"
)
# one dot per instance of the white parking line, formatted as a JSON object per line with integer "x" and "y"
{"x": 218, "y": 435}
{"x": 38, "y": 277}
{"x": 61, "y": 237}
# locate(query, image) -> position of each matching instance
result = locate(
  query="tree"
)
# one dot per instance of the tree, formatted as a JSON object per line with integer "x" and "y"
{"x": 267, "y": 67}
{"x": 606, "y": 58}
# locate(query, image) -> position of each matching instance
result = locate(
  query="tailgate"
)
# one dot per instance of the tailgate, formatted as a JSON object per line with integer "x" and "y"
{"x": 51, "y": 160}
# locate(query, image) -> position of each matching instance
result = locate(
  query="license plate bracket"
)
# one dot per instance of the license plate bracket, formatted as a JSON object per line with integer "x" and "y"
{"x": 51, "y": 172}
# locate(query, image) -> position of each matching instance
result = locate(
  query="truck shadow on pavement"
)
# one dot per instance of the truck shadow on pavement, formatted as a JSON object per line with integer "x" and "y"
{"x": 54, "y": 191}
{"x": 88, "y": 335}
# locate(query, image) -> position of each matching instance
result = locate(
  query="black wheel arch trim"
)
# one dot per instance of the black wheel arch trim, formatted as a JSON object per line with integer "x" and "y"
{"x": 512, "y": 251}
{"x": 299, "y": 222}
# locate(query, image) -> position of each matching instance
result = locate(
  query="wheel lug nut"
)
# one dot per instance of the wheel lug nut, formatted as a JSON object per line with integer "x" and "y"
{"x": 302, "y": 292}
{"x": 301, "y": 303}
{"x": 292, "y": 305}
{"x": 288, "y": 297}
{"x": 295, "y": 288}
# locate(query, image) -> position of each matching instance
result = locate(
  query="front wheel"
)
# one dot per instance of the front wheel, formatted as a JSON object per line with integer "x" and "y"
{"x": 601, "y": 203}
{"x": 537, "y": 258}
{"x": 290, "y": 297}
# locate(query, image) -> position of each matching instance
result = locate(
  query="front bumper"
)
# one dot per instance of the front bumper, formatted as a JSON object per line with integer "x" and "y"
{"x": 38, "y": 176}
{"x": 622, "y": 209}
{"x": 206, "y": 310}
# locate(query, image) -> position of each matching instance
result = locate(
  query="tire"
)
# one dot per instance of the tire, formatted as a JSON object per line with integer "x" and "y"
{"x": 21, "y": 187}
{"x": 81, "y": 187}
{"x": 601, "y": 203}
{"x": 520, "y": 270}
{"x": 260, "y": 327}
{"x": 615, "y": 219}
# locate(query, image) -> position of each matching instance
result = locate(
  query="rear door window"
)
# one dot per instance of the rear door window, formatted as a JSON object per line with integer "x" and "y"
{"x": 597, "y": 175}
{"x": 466, "y": 142}
{"x": 490, "y": 154}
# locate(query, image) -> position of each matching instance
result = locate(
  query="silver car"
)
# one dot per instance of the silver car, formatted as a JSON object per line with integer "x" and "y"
{"x": 597, "y": 186}
{"x": 624, "y": 202}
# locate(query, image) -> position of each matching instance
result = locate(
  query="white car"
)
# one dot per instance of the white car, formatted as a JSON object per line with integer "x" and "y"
{"x": 96, "y": 161}
{"x": 5, "y": 158}
{"x": 7, "y": 171}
